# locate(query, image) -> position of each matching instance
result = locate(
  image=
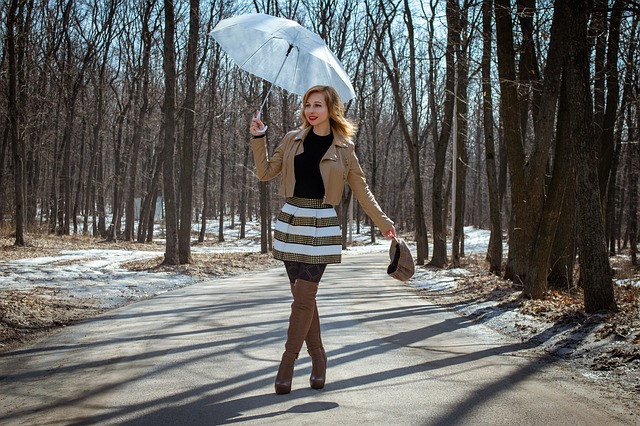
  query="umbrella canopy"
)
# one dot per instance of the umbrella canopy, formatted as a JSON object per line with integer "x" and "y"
{"x": 282, "y": 52}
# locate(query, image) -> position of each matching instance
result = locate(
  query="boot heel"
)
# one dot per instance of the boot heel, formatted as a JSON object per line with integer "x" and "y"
{"x": 285, "y": 373}
{"x": 318, "y": 368}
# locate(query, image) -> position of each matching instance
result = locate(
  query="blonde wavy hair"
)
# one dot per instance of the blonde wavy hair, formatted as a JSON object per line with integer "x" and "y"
{"x": 339, "y": 123}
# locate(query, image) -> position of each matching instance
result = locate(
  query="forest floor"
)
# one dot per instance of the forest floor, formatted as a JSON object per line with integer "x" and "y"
{"x": 603, "y": 347}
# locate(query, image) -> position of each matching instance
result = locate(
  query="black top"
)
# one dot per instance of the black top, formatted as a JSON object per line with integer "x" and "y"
{"x": 307, "y": 166}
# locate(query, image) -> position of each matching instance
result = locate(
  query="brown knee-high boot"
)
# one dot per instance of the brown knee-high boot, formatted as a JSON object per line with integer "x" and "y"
{"x": 316, "y": 350}
{"x": 302, "y": 309}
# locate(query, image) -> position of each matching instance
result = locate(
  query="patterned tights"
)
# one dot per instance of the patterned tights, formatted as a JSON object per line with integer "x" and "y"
{"x": 304, "y": 271}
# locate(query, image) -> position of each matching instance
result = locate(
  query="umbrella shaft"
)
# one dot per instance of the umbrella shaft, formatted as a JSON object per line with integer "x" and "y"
{"x": 276, "y": 79}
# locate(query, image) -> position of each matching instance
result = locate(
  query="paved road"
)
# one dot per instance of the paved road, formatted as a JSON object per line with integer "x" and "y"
{"x": 207, "y": 354}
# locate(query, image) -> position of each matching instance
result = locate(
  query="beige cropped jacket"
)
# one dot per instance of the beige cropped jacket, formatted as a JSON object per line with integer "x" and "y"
{"x": 338, "y": 166}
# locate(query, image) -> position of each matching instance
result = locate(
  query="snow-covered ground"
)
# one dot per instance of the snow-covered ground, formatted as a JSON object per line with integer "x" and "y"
{"x": 475, "y": 241}
{"x": 98, "y": 273}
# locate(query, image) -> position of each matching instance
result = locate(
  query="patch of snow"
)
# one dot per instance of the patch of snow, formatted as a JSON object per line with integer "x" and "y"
{"x": 98, "y": 273}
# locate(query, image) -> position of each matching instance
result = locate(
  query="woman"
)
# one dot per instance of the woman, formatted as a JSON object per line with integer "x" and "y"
{"x": 314, "y": 162}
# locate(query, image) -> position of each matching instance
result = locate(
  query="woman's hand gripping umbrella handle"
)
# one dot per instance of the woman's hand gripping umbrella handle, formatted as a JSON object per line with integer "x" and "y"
{"x": 257, "y": 127}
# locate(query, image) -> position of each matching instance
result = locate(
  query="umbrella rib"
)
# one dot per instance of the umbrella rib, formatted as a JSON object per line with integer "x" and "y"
{"x": 295, "y": 69}
{"x": 273, "y": 36}
{"x": 254, "y": 53}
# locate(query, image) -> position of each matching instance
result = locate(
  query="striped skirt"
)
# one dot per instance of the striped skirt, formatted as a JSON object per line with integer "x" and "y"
{"x": 307, "y": 231}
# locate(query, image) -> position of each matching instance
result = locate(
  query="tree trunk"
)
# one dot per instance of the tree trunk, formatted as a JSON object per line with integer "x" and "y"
{"x": 73, "y": 86}
{"x": 606, "y": 140}
{"x": 461, "y": 118}
{"x": 244, "y": 205}
{"x": 100, "y": 201}
{"x": 632, "y": 184}
{"x": 528, "y": 70}
{"x": 95, "y": 161}
{"x": 205, "y": 183}
{"x": 129, "y": 230}
{"x": 494, "y": 253}
{"x": 518, "y": 245}
{"x": 4, "y": 191}
{"x": 14, "y": 133}
{"x": 536, "y": 281}
{"x": 542, "y": 233}
{"x": 81, "y": 180}
{"x": 408, "y": 123}
{"x": 598, "y": 34}
{"x": 413, "y": 144}
{"x": 169, "y": 109}
{"x": 119, "y": 173}
{"x": 595, "y": 271}
{"x": 264, "y": 220}
{"x": 613, "y": 192}
{"x": 263, "y": 188}
{"x": 632, "y": 226}
{"x": 186, "y": 175}
{"x": 221, "y": 194}
{"x": 563, "y": 251}
{"x": 441, "y": 143}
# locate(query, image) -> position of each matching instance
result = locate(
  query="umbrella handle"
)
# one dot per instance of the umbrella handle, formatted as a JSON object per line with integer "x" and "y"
{"x": 264, "y": 128}
{"x": 275, "y": 79}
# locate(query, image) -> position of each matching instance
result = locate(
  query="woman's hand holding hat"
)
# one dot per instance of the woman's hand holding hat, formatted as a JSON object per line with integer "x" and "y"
{"x": 391, "y": 234}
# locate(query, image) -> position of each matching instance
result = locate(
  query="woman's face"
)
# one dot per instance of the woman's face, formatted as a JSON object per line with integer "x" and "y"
{"x": 317, "y": 112}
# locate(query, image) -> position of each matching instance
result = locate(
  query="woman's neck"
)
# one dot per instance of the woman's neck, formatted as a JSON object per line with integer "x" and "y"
{"x": 322, "y": 129}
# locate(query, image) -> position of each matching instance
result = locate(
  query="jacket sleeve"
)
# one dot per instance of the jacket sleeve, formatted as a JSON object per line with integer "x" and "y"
{"x": 360, "y": 188}
{"x": 266, "y": 168}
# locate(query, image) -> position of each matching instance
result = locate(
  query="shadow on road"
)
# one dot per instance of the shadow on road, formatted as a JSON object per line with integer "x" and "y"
{"x": 196, "y": 335}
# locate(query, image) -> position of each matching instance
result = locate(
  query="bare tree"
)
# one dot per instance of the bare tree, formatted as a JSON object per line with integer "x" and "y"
{"x": 562, "y": 259}
{"x": 461, "y": 117}
{"x": 142, "y": 80}
{"x": 494, "y": 252}
{"x": 13, "y": 122}
{"x": 632, "y": 180}
{"x": 441, "y": 141}
{"x": 606, "y": 135}
{"x": 169, "y": 110}
{"x": 409, "y": 121}
{"x": 186, "y": 175}
{"x": 73, "y": 85}
{"x": 595, "y": 271}
{"x": 544, "y": 211}
{"x": 632, "y": 148}
{"x": 509, "y": 108}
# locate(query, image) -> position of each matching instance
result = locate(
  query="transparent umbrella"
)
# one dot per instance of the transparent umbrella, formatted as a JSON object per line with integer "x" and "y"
{"x": 282, "y": 52}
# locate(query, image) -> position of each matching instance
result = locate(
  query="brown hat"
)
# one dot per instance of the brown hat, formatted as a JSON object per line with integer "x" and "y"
{"x": 401, "y": 266}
